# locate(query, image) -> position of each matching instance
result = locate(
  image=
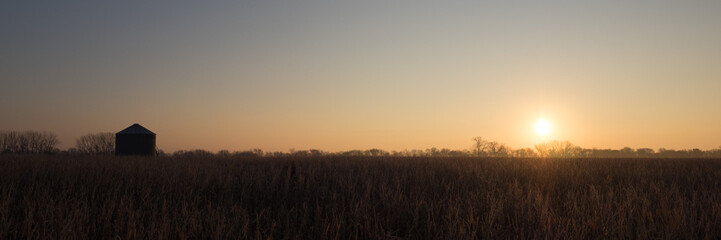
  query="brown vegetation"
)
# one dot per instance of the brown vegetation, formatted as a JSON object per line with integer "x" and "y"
{"x": 334, "y": 197}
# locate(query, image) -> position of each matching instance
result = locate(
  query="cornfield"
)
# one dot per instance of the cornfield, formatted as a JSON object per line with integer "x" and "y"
{"x": 103, "y": 197}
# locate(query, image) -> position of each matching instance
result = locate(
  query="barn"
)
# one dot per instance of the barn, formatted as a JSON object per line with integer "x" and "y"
{"x": 135, "y": 140}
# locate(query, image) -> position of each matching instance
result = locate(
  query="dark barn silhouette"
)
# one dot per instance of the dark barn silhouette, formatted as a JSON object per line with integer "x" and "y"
{"x": 135, "y": 140}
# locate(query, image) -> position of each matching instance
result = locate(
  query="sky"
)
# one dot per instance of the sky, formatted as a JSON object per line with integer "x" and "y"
{"x": 342, "y": 75}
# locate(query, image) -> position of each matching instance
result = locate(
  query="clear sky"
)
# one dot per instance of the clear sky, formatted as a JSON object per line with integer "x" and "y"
{"x": 341, "y": 75}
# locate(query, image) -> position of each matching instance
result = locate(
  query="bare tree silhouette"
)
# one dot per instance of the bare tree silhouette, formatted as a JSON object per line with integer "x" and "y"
{"x": 483, "y": 148}
{"x": 479, "y": 145}
{"x": 28, "y": 142}
{"x": 97, "y": 143}
{"x": 558, "y": 149}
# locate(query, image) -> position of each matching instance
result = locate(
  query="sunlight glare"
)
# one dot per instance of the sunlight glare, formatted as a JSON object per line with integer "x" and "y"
{"x": 543, "y": 127}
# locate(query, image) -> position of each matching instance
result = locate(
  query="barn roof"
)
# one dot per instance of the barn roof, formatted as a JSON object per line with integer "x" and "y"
{"x": 136, "y": 129}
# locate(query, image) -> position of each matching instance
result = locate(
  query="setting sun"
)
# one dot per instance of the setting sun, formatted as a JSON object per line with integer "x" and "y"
{"x": 543, "y": 127}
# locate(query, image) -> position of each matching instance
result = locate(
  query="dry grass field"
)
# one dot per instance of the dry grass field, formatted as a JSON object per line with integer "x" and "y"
{"x": 103, "y": 197}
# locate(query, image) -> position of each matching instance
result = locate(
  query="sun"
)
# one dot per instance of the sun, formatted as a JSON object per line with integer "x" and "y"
{"x": 543, "y": 127}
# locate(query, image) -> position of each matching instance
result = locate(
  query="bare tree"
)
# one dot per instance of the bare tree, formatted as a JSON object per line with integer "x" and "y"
{"x": 558, "y": 149}
{"x": 478, "y": 145}
{"x": 490, "y": 148}
{"x": 28, "y": 142}
{"x": 496, "y": 149}
{"x": 97, "y": 143}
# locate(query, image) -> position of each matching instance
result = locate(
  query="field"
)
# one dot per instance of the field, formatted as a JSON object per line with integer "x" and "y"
{"x": 102, "y": 197}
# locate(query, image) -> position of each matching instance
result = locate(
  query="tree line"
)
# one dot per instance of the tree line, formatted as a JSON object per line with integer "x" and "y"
{"x": 28, "y": 142}
{"x": 33, "y": 142}
{"x": 482, "y": 148}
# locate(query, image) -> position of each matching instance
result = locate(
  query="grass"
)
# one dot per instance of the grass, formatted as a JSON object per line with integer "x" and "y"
{"x": 96, "y": 197}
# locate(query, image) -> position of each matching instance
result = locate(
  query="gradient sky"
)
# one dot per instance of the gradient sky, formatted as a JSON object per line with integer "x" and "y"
{"x": 341, "y": 75}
